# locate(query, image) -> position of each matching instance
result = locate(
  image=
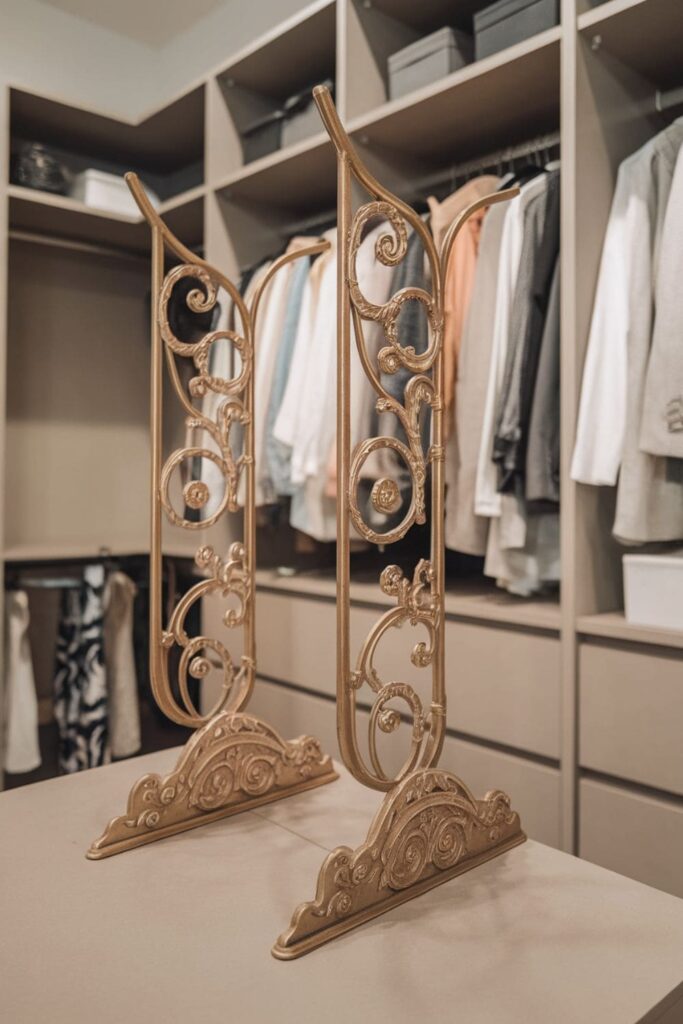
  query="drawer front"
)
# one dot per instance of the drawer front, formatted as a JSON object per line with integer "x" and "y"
{"x": 631, "y": 713}
{"x": 633, "y": 834}
{"x": 533, "y": 789}
{"x": 296, "y": 640}
{"x": 504, "y": 685}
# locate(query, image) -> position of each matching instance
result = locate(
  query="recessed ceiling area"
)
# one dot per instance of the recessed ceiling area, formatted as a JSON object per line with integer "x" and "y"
{"x": 153, "y": 24}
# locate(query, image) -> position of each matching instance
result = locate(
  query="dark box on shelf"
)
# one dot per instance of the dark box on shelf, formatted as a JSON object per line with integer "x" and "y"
{"x": 302, "y": 119}
{"x": 511, "y": 21}
{"x": 428, "y": 60}
{"x": 263, "y": 136}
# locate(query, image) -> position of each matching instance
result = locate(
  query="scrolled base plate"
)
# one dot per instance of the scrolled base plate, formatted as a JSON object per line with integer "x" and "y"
{"x": 428, "y": 829}
{"x": 234, "y": 763}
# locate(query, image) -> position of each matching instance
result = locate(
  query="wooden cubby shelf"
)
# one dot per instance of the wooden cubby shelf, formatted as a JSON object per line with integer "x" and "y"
{"x": 643, "y": 35}
{"x": 491, "y": 103}
{"x": 465, "y": 599}
{"x": 300, "y": 177}
{"x": 613, "y": 626}
{"x": 63, "y": 218}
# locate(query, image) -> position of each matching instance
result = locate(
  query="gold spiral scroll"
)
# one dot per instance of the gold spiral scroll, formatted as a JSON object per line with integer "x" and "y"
{"x": 232, "y": 578}
{"x": 420, "y": 601}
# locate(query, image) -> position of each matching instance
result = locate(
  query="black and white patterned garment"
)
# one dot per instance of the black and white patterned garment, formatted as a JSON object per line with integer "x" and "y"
{"x": 80, "y": 679}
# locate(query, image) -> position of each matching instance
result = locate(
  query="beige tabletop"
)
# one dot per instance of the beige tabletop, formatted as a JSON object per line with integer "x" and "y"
{"x": 181, "y": 930}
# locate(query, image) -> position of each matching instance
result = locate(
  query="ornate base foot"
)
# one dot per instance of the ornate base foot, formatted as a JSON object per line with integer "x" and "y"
{"x": 428, "y": 829}
{"x": 232, "y": 764}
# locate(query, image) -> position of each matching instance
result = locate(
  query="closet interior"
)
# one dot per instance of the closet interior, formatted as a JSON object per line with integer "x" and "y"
{"x": 557, "y": 695}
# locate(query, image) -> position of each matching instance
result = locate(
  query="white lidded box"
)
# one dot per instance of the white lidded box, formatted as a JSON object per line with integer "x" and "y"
{"x": 107, "y": 192}
{"x": 653, "y": 590}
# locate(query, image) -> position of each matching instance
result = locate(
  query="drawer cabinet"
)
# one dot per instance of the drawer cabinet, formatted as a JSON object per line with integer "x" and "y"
{"x": 502, "y": 685}
{"x": 633, "y": 834}
{"x": 631, "y": 714}
{"x": 534, "y": 789}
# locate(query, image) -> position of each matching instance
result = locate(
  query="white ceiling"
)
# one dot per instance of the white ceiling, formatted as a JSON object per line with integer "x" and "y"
{"x": 152, "y": 22}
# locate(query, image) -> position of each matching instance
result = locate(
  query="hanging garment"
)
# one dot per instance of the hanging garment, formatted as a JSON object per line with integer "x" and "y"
{"x": 525, "y": 569}
{"x": 519, "y": 559}
{"x": 649, "y": 500}
{"x": 270, "y": 323}
{"x": 460, "y": 270}
{"x": 119, "y": 656}
{"x": 465, "y": 531}
{"x": 662, "y": 422}
{"x": 312, "y": 511}
{"x": 22, "y": 746}
{"x": 539, "y": 256}
{"x": 374, "y": 280}
{"x": 542, "y": 477}
{"x": 80, "y": 686}
{"x": 487, "y": 498}
{"x": 293, "y": 407}
{"x": 223, "y": 363}
{"x": 274, "y": 471}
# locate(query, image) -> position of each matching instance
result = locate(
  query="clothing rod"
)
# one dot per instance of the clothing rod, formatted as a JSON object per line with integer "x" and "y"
{"x": 57, "y": 242}
{"x": 481, "y": 163}
{"x": 515, "y": 152}
{"x": 44, "y": 583}
{"x": 667, "y": 98}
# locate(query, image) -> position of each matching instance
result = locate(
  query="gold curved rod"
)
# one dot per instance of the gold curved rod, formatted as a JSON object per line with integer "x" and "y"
{"x": 322, "y": 245}
{"x": 346, "y": 152}
{"x": 175, "y": 245}
{"x": 454, "y": 230}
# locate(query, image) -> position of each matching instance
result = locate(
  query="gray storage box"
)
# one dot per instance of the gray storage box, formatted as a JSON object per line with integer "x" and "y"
{"x": 428, "y": 60}
{"x": 511, "y": 21}
{"x": 301, "y": 125}
{"x": 302, "y": 119}
{"x": 263, "y": 136}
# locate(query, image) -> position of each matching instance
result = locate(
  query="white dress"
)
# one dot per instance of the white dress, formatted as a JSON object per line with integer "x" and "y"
{"x": 22, "y": 747}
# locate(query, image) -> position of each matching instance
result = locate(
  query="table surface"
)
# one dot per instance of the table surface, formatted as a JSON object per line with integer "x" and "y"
{"x": 181, "y": 930}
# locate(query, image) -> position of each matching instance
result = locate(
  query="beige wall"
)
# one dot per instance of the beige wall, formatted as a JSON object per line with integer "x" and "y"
{"x": 49, "y": 51}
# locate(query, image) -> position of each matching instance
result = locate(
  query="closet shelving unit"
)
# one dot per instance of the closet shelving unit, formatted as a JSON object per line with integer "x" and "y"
{"x": 576, "y": 711}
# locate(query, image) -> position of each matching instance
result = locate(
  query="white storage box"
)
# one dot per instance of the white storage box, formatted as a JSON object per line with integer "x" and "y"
{"x": 428, "y": 60}
{"x": 107, "y": 192}
{"x": 653, "y": 590}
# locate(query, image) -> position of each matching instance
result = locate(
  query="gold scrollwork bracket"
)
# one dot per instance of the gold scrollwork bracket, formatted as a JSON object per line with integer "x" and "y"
{"x": 429, "y": 827}
{"x": 232, "y": 764}
{"x": 428, "y": 830}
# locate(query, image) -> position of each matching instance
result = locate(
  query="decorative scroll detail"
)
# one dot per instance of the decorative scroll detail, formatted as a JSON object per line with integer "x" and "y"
{"x": 428, "y": 829}
{"x": 390, "y": 250}
{"x": 230, "y": 410}
{"x": 417, "y": 604}
{"x": 234, "y": 761}
{"x": 232, "y": 764}
{"x": 227, "y": 578}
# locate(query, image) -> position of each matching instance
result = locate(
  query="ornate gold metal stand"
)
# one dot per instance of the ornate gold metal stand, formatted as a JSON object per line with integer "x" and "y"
{"x": 234, "y": 762}
{"x": 429, "y": 827}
